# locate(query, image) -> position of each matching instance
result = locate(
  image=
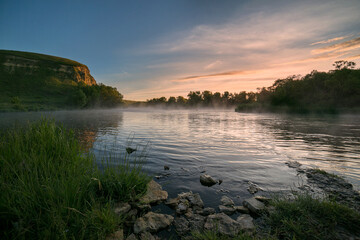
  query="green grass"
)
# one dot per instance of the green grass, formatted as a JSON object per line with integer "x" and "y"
{"x": 214, "y": 235}
{"x": 50, "y": 189}
{"x": 41, "y": 57}
{"x": 309, "y": 218}
{"x": 320, "y": 171}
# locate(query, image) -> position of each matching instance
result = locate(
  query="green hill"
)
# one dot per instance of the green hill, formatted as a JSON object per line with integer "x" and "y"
{"x": 32, "y": 81}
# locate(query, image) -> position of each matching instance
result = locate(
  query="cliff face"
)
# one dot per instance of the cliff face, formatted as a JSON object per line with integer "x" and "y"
{"x": 31, "y": 64}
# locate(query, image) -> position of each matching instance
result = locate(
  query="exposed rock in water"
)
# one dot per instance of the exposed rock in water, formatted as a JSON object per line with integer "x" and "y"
{"x": 223, "y": 224}
{"x": 182, "y": 225}
{"x": 229, "y": 210}
{"x": 246, "y": 222}
{"x": 154, "y": 194}
{"x": 183, "y": 206}
{"x": 263, "y": 199}
{"x": 122, "y": 208}
{"x": 152, "y": 222}
{"x": 196, "y": 222}
{"x": 207, "y": 180}
{"x": 207, "y": 211}
{"x": 166, "y": 167}
{"x": 226, "y": 201}
{"x": 195, "y": 200}
{"x": 293, "y": 164}
{"x": 173, "y": 202}
{"x": 255, "y": 206}
{"x": 130, "y": 150}
{"x": 253, "y": 188}
{"x": 241, "y": 209}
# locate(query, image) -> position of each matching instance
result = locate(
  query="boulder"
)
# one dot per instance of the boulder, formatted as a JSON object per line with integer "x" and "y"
{"x": 195, "y": 200}
{"x": 226, "y": 201}
{"x": 152, "y": 222}
{"x": 229, "y": 210}
{"x": 293, "y": 164}
{"x": 223, "y": 224}
{"x": 255, "y": 206}
{"x": 196, "y": 222}
{"x": 173, "y": 202}
{"x": 207, "y": 211}
{"x": 263, "y": 199}
{"x": 154, "y": 194}
{"x": 183, "y": 206}
{"x": 246, "y": 222}
{"x": 253, "y": 188}
{"x": 207, "y": 180}
{"x": 122, "y": 208}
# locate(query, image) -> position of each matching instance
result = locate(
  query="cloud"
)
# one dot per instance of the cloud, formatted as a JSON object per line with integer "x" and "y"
{"x": 330, "y": 40}
{"x": 353, "y": 57}
{"x": 222, "y": 74}
{"x": 212, "y": 65}
{"x": 340, "y": 47}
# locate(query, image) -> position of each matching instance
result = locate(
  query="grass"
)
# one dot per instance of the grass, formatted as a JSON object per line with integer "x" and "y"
{"x": 214, "y": 235}
{"x": 320, "y": 171}
{"x": 309, "y": 218}
{"x": 50, "y": 189}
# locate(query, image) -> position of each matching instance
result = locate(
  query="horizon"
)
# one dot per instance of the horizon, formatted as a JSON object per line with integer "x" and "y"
{"x": 169, "y": 48}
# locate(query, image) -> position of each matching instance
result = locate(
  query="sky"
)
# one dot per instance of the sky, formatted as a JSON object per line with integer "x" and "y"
{"x": 157, "y": 48}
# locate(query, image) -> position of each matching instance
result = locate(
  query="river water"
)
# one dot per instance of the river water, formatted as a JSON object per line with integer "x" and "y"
{"x": 234, "y": 147}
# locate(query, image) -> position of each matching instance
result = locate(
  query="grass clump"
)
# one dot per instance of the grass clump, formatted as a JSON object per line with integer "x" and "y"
{"x": 50, "y": 189}
{"x": 309, "y": 218}
{"x": 214, "y": 235}
{"x": 320, "y": 171}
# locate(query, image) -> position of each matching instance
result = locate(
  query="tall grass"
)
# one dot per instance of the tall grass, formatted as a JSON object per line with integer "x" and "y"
{"x": 50, "y": 189}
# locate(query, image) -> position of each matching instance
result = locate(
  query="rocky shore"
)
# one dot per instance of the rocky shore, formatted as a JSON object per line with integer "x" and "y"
{"x": 190, "y": 214}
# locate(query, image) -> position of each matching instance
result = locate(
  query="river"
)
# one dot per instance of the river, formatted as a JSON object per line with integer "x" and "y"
{"x": 234, "y": 147}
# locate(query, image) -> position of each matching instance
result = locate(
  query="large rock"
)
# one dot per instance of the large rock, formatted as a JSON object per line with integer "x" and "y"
{"x": 226, "y": 201}
{"x": 207, "y": 211}
{"x": 246, "y": 222}
{"x": 154, "y": 194}
{"x": 207, "y": 180}
{"x": 223, "y": 224}
{"x": 254, "y": 205}
{"x": 183, "y": 206}
{"x": 152, "y": 222}
{"x": 173, "y": 202}
{"x": 181, "y": 225}
{"x": 195, "y": 201}
{"x": 241, "y": 209}
{"x": 196, "y": 222}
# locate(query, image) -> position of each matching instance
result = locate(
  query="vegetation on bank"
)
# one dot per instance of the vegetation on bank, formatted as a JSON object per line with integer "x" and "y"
{"x": 51, "y": 189}
{"x": 41, "y": 88}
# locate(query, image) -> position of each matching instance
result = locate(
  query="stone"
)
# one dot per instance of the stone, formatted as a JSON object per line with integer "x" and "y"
{"x": 227, "y": 209}
{"x": 132, "y": 214}
{"x": 253, "y": 188}
{"x": 147, "y": 236}
{"x": 130, "y": 150}
{"x": 118, "y": 235}
{"x": 183, "y": 206}
{"x": 181, "y": 225}
{"x": 143, "y": 207}
{"x": 207, "y": 211}
{"x": 246, "y": 222}
{"x": 255, "y": 206}
{"x": 220, "y": 181}
{"x": 173, "y": 202}
{"x": 293, "y": 164}
{"x": 166, "y": 167}
{"x": 263, "y": 199}
{"x": 152, "y": 222}
{"x": 195, "y": 200}
{"x": 226, "y": 201}
{"x": 241, "y": 209}
{"x": 122, "y": 208}
{"x": 223, "y": 224}
{"x": 207, "y": 180}
{"x": 131, "y": 237}
{"x": 154, "y": 194}
{"x": 196, "y": 222}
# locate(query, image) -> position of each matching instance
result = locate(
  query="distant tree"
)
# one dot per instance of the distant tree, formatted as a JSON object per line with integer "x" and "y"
{"x": 180, "y": 100}
{"x": 344, "y": 65}
{"x": 207, "y": 97}
{"x": 171, "y": 101}
{"x": 194, "y": 98}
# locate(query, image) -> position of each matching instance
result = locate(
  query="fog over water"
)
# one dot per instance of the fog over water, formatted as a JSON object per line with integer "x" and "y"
{"x": 234, "y": 147}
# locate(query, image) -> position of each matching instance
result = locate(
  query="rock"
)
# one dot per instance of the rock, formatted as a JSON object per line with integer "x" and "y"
{"x": 223, "y": 224}
{"x": 173, "y": 202}
{"x": 207, "y": 211}
{"x": 154, "y": 194}
{"x": 122, "y": 208}
{"x": 148, "y": 236}
{"x": 226, "y": 201}
{"x": 131, "y": 237}
{"x": 130, "y": 150}
{"x": 195, "y": 200}
{"x": 181, "y": 225}
{"x": 143, "y": 207}
{"x": 263, "y": 199}
{"x": 182, "y": 206}
{"x": 189, "y": 213}
{"x": 246, "y": 222}
{"x": 152, "y": 222}
{"x": 293, "y": 164}
{"x": 241, "y": 209}
{"x": 254, "y": 205}
{"x": 227, "y": 209}
{"x": 220, "y": 181}
{"x": 253, "y": 188}
{"x": 132, "y": 214}
{"x": 196, "y": 222}
{"x": 118, "y": 235}
{"x": 166, "y": 167}
{"x": 207, "y": 180}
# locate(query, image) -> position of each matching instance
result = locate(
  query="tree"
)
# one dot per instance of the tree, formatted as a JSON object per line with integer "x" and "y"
{"x": 344, "y": 65}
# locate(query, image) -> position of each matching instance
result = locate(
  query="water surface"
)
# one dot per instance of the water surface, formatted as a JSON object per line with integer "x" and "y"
{"x": 234, "y": 147}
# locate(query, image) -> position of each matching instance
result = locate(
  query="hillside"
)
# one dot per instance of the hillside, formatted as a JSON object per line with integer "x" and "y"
{"x": 32, "y": 81}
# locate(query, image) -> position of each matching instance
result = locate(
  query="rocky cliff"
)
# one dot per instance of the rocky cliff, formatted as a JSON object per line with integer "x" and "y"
{"x": 32, "y": 64}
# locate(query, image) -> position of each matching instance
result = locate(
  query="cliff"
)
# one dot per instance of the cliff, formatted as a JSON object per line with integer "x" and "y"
{"x": 32, "y": 64}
